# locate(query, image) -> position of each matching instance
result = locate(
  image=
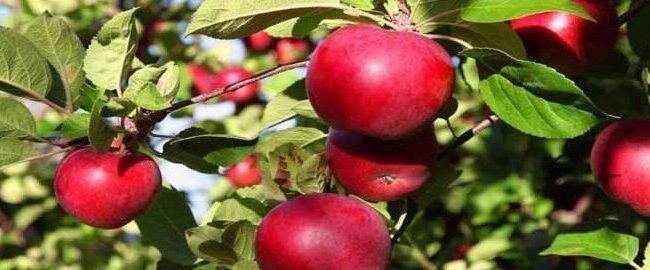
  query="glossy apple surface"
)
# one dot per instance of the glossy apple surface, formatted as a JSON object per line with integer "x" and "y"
{"x": 378, "y": 83}
{"x": 322, "y": 231}
{"x": 230, "y": 75}
{"x": 106, "y": 190}
{"x": 567, "y": 42}
{"x": 380, "y": 170}
{"x": 245, "y": 173}
{"x": 620, "y": 162}
{"x": 291, "y": 50}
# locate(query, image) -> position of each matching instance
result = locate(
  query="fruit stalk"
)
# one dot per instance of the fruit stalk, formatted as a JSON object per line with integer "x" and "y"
{"x": 468, "y": 135}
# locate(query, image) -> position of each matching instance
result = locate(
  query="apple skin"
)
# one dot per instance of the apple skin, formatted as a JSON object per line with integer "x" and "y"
{"x": 245, "y": 173}
{"x": 202, "y": 79}
{"x": 567, "y": 42}
{"x": 230, "y": 75}
{"x": 620, "y": 162}
{"x": 322, "y": 231}
{"x": 289, "y": 50}
{"x": 260, "y": 41}
{"x": 106, "y": 190}
{"x": 379, "y": 170}
{"x": 378, "y": 83}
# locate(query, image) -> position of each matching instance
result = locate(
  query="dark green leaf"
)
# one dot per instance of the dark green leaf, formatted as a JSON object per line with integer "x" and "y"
{"x": 23, "y": 71}
{"x": 490, "y": 35}
{"x": 488, "y": 11}
{"x": 164, "y": 225}
{"x": 15, "y": 119}
{"x": 236, "y": 19}
{"x": 205, "y": 242}
{"x": 147, "y": 97}
{"x": 206, "y": 152}
{"x": 60, "y": 45}
{"x": 638, "y": 33}
{"x": 100, "y": 133}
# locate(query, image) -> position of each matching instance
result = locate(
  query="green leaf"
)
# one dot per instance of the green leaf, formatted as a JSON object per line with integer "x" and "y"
{"x": 304, "y": 109}
{"x": 646, "y": 257}
{"x": 100, "y": 134}
{"x": 488, "y": 249}
{"x": 205, "y": 242}
{"x": 298, "y": 135}
{"x": 638, "y": 33}
{"x": 236, "y": 19}
{"x": 164, "y": 225}
{"x": 206, "y": 152}
{"x": 28, "y": 214}
{"x": 15, "y": 119}
{"x": 58, "y": 42}
{"x": 443, "y": 11}
{"x": 304, "y": 25}
{"x": 488, "y": 11}
{"x": 238, "y": 208}
{"x": 245, "y": 265}
{"x": 362, "y": 4}
{"x": 23, "y": 71}
{"x": 110, "y": 55}
{"x": 532, "y": 97}
{"x": 147, "y": 74}
{"x": 169, "y": 82}
{"x": 602, "y": 243}
{"x": 76, "y": 126}
{"x": 645, "y": 77}
{"x": 147, "y": 97}
{"x": 279, "y": 109}
{"x": 241, "y": 237}
{"x": 490, "y": 35}
{"x": 12, "y": 151}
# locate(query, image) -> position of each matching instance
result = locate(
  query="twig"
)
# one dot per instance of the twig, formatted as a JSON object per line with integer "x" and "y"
{"x": 232, "y": 87}
{"x": 450, "y": 38}
{"x": 634, "y": 9}
{"x": 37, "y": 157}
{"x": 468, "y": 135}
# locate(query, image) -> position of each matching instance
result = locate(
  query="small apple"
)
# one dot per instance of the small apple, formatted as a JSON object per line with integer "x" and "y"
{"x": 378, "y": 83}
{"x": 106, "y": 190}
{"x": 322, "y": 231}
{"x": 620, "y": 162}
{"x": 245, "y": 173}
{"x": 291, "y": 50}
{"x": 230, "y": 75}
{"x": 380, "y": 170}
{"x": 260, "y": 41}
{"x": 202, "y": 79}
{"x": 567, "y": 42}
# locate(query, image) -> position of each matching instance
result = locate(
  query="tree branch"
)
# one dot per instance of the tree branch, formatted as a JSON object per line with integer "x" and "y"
{"x": 468, "y": 135}
{"x": 634, "y": 9}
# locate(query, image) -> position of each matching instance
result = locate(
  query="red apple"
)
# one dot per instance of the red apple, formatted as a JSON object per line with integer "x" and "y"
{"x": 260, "y": 41}
{"x": 245, "y": 173}
{"x": 380, "y": 170}
{"x": 202, "y": 79}
{"x": 378, "y": 83}
{"x": 291, "y": 50}
{"x": 322, "y": 231}
{"x": 106, "y": 190}
{"x": 567, "y": 42}
{"x": 230, "y": 75}
{"x": 620, "y": 162}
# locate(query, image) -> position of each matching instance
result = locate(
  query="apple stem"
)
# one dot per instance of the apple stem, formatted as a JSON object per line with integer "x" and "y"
{"x": 468, "y": 135}
{"x": 634, "y": 9}
{"x": 403, "y": 17}
{"x": 459, "y": 41}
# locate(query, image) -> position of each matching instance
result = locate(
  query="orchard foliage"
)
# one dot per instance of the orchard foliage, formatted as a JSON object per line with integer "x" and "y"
{"x": 504, "y": 183}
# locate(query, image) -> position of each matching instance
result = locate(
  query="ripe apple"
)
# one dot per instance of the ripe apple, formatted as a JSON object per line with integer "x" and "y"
{"x": 290, "y": 50}
{"x": 230, "y": 75}
{"x": 567, "y": 42}
{"x": 620, "y": 162}
{"x": 202, "y": 79}
{"x": 245, "y": 173}
{"x": 378, "y": 83}
{"x": 322, "y": 231}
{"x": 260, "y": 41}
{"x": 106, "y": 190}
{"x": 381, "y": 170}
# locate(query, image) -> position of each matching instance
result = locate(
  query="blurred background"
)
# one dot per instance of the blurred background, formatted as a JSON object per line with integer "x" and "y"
{"x": 514, "y": 193}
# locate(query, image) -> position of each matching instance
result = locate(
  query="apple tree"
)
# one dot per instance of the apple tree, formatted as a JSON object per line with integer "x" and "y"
{"x": 362, "y": 134}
